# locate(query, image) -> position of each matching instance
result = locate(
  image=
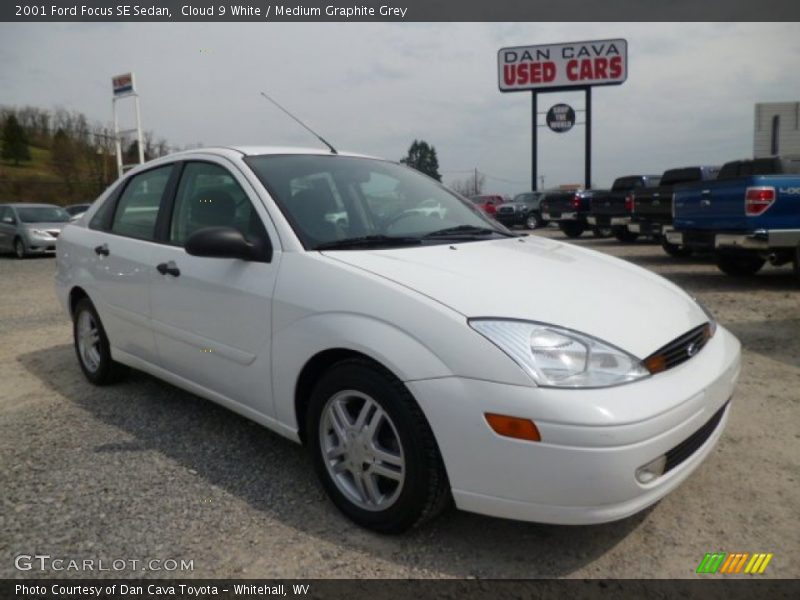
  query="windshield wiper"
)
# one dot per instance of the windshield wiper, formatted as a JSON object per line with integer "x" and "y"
{"x": 368, "y": 241}
{"x": 465, "y": 231}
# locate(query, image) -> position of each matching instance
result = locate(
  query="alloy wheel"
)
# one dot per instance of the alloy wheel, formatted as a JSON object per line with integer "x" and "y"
{"x": 88, "y": 341}
{"x": 361, "y": 450}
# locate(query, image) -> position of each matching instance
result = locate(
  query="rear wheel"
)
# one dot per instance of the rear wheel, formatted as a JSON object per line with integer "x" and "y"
{"x": 739, "y": 263}
{"x": 373, "y": 449}
{"x": 533, "y": 221}
{"x": 19, "y": 248}
{"x": 92, "y": 347}
{"x": 572, "y": 229}
{"x": 623, "y": 235}
{"x": 675, "y": 250}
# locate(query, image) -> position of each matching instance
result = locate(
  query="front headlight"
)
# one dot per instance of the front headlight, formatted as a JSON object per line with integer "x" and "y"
{"x": 557, "y": 357}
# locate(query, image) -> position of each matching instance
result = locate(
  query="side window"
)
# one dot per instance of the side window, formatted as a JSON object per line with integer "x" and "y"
{"x": 137, "y": 208}
{"x": 209, "y": 196}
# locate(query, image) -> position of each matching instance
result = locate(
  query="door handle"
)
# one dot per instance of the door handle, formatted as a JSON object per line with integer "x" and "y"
{"x": 102, "y": 250}
{"x": 168, "y": 268}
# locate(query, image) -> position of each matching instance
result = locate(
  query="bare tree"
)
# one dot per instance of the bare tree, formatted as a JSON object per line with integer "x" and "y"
{"x": 469, "y": 186}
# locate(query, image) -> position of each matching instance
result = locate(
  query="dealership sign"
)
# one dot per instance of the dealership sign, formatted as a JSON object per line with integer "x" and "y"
{"x": 560, "y": 118}
{"x": 122, "y": 84}
{"x": 575, "y": 64}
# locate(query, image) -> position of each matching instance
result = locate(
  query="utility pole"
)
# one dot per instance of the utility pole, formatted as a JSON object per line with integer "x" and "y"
{"x": 475, "y": 183}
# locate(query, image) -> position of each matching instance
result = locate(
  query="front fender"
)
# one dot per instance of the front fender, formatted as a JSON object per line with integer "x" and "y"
{"x": 405, "y": 356}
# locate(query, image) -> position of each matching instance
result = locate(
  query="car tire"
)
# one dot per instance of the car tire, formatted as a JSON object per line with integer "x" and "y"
{"x": 623, "y": 235}
{"x": 601, "y": 232}
{"x": 19, "y": 248}
{"x": 385, "y": 474}
{"x": 739, "y": 263}
{"x": 533, "y": 221}
{"x": 571, "y": 229}
{"x": 92, "y": 347}
{"x": 675, "y": 250}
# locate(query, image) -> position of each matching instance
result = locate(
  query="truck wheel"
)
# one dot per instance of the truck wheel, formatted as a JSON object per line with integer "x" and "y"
{"x": 373, "y": 449}
{"x": 572, "y": 229}
{"x": 623, "y": 235}
{"x": 674, "y": 250}
{"x": 601, "y": 232}
{"x": 533, "y": 221}
{"x": 739, "y": 263}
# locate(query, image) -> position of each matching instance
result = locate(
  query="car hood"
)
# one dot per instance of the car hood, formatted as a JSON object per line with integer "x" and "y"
{"x": 533, "y": 278}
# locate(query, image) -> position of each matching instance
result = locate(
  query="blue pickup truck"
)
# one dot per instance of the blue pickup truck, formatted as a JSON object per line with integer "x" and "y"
{"x": 748, "y": 215}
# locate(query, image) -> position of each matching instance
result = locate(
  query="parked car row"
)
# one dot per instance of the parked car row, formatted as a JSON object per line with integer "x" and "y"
{"x": 746, "y": 213}
{"x": 28, "y": 229}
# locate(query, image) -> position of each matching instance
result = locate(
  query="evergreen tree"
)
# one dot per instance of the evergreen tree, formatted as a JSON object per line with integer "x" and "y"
{"x": 422, "y": 157}
{"x": 15, "y": 141}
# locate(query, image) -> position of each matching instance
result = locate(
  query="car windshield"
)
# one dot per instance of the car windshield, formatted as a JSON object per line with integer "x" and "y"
{"x": 348, "y": 202}
{"x": 524, "y": 198}
{"x": 77, "y": 208}
{"x": 42, "y": 214}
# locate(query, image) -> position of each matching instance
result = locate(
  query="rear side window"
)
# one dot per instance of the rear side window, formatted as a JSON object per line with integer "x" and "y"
{"x": 675, "y": 176}
{"x": 729, "y": 170}
{"x": 137, "y": 208}
{"x": 209, "y": 196}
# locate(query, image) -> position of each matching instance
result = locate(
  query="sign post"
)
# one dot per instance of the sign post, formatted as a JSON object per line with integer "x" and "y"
{"x": 123, "y": 86}
{"x": 558, "y": 68}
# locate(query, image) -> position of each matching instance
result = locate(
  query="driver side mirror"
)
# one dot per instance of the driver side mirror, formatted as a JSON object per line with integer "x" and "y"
{"x": 226, "y": 242}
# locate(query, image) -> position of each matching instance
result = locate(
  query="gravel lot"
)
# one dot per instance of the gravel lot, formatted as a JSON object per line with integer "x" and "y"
{"x": 143, "y": 470}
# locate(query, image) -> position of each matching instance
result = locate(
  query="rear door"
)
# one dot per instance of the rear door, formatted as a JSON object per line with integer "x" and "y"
{"x": 212, "y": 316}
{"x": 119, "y": 252}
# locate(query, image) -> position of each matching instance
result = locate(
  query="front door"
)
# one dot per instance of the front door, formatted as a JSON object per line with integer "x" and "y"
{"x": 212, "y": 316}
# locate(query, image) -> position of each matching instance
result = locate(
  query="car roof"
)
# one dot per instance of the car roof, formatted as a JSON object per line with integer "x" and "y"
{"x": 266, "y": 150}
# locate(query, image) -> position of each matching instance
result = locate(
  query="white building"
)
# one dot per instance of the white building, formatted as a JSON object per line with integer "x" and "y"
{"x": 777, "y": 129}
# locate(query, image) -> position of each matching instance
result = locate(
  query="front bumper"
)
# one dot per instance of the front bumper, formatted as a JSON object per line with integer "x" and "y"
{"x": 35, "y": 244}
{"x": 593, "y": 441}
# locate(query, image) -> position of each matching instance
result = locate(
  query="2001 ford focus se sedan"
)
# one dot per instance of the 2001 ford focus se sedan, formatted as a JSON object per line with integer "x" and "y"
{"x": 421, "y": 355}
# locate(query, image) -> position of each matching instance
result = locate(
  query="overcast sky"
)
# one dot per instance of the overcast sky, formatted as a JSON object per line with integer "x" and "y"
{"x": 373, "y": 88}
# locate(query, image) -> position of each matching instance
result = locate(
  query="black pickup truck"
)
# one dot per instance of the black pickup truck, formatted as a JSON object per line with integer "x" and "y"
{"x": 652, "y": 207}
{"x": 612, "y": 208}
{"x": 568, "y": 208}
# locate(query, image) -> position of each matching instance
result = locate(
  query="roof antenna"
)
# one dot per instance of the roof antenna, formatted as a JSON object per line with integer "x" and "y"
{"x": 318, "y": 136}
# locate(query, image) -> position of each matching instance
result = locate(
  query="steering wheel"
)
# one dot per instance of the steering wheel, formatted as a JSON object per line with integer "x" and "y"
{"x": 399, "y": 217}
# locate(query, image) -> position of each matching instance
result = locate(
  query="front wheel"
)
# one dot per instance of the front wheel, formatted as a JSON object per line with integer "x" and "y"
{"x": 373, "y": 449}
{"x": 572, "y": 229}
{"x": 19, "y": 248}
{"x": 92, "y": 347}
{"x": 623, "y": 235}
{"x": 675, "y": 250}
{"x": 601, "y": 232}
{"x": 739, "y": 263}
{"x": 533, "y": 221}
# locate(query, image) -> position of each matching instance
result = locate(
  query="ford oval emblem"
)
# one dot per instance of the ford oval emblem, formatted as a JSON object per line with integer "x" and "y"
{"x": 691, "y": 349}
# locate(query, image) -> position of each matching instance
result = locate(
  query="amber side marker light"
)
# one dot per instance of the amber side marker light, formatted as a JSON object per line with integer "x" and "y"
{"x": 513, "y": 427}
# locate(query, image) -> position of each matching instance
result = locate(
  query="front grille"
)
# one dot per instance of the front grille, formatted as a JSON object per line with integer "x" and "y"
{"x": 681, "y": 349}
{"x": 689, "y": 446}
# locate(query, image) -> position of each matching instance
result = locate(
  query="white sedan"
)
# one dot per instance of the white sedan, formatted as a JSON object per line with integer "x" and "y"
{"x": 423, "y": 358}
